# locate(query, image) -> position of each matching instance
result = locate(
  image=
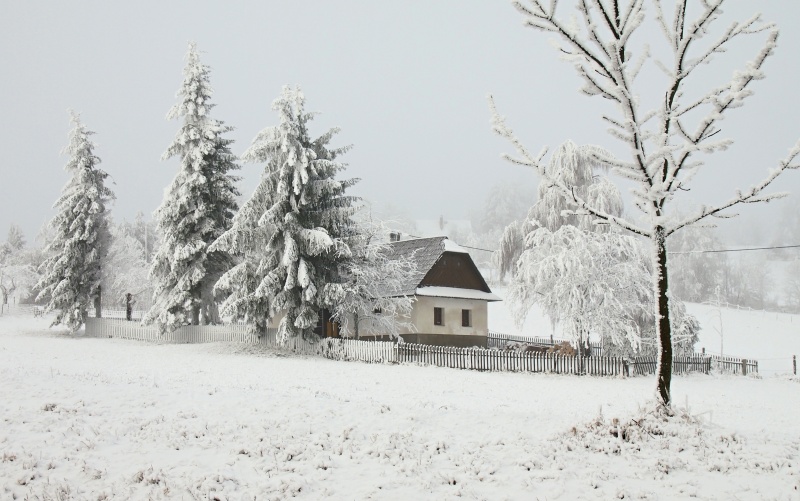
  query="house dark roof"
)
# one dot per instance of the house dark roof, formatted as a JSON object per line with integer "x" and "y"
{"x": 426, "y": 252}
{"x": 442, "y": 267}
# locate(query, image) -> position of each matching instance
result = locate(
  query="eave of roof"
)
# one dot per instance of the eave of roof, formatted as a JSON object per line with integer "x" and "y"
{"x": 456, "y": 293}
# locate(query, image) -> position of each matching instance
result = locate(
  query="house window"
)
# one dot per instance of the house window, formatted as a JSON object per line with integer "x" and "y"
{"x": 438, "y": 316}
{"x": 466, "y": 318}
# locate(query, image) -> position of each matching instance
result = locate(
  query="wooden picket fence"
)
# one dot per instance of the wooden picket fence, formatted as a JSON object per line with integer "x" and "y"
{"x": 480, "y": 359}
{"x": 508, "y": 360}
{"x": 734, "y": 365}
{"x": 696, "y": 363}
{"x": 499, "y": 340}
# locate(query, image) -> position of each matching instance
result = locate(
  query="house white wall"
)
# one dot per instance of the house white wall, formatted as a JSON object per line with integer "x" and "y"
{"x": 422, "y": 316}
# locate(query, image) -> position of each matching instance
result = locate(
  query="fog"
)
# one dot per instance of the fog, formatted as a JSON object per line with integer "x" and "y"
{"x": 406, "y": 82}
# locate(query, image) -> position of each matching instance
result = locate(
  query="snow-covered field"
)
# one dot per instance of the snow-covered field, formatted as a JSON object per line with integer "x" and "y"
{"x": 90, "y": 418}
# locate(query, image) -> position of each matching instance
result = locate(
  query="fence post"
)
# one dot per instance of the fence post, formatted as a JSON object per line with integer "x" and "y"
{"x": 744, "y": 367}
{"x": 794, "y": 364}
{"x": 625, "y": 368}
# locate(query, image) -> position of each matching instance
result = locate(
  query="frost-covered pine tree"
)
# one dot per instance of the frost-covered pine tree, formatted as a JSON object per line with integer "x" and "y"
{"x": 669, "y": 138}
{"x": 294, "y": 231}
{"x": 71, "y": 276}
{"x": 198, "y": 207}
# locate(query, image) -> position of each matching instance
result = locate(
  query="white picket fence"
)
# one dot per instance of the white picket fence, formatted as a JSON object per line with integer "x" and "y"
{"x": 335, "y": 349}
{"x": 123, "y": 329}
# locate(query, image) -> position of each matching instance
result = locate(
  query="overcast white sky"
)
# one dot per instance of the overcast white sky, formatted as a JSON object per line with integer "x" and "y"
{"x": 406, "y": 82}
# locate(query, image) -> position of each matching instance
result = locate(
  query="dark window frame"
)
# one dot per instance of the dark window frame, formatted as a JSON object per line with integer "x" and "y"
{"x": 466, "y": 318}
{"x": 438, "y": 316}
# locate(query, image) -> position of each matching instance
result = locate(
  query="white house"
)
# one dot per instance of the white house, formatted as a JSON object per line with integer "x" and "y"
{"x": 451, "y": 295}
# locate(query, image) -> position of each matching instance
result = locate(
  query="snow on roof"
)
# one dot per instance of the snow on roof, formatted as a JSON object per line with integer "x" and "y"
{"x": 426, "y": 252}
{"x": 456, "y": 293}
{"x": 450, "y": 246}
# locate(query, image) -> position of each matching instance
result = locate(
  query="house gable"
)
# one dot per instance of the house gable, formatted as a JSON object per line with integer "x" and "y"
{"x": 457, "y": 270}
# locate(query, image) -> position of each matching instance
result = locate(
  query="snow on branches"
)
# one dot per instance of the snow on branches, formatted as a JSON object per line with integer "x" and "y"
{"x": 198, "y": 207}
{"x": 294, "y": 232}
{"x": 587, "y": 282}
{"x": 372, "y": 299}
{"x": 666, "y": 139}
{"x": 71, "y": 276}
{"x": 588, "y": 278}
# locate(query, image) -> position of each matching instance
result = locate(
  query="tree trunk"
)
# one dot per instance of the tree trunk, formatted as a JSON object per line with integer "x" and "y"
{"x": 128, "y": 307}
{"x": 212, "y": 314}
{"x": 98, "y": 308}
{"x": 196, "y": 315}
{"x": 663, "y": 327}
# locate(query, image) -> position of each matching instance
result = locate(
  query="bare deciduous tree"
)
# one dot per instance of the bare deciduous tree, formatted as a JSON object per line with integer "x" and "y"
{"x": 666, "y": 138}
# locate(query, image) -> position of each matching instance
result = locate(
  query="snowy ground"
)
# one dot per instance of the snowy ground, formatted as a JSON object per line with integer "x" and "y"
{"x": 113, "y": 419}
{"x": 769, "y": 337}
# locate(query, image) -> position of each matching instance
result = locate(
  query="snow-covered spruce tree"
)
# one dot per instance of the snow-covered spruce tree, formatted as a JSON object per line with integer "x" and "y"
{"x": 666, "y": 138}
{"x": 294, "y": 232}
{"x": 198, "y": 207}
{"x": 71, "y": 276}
